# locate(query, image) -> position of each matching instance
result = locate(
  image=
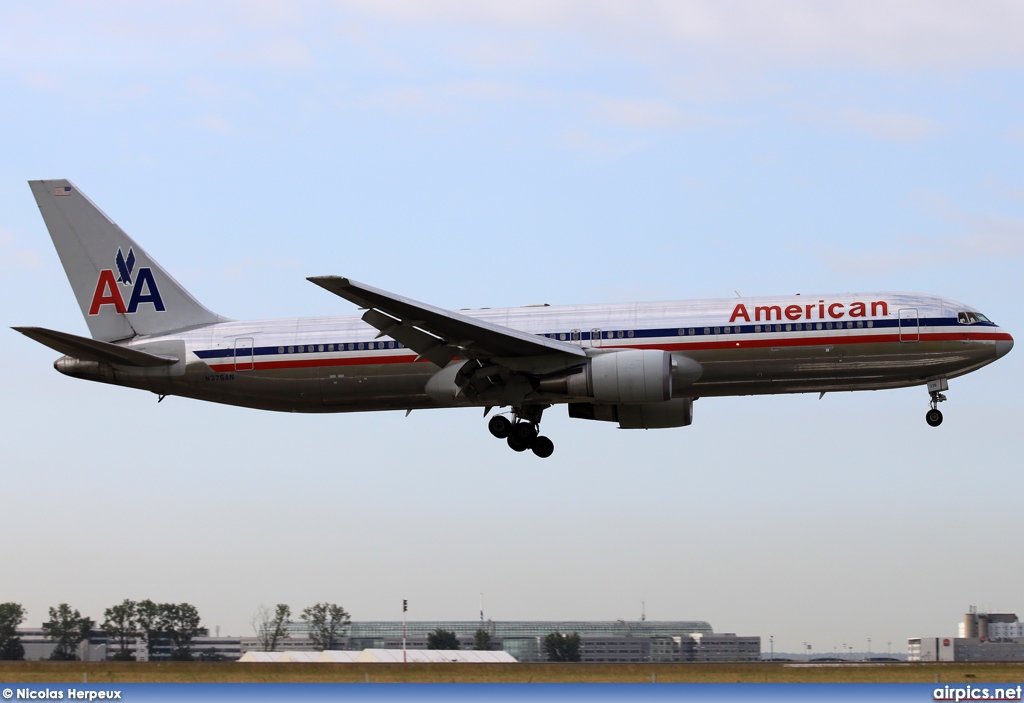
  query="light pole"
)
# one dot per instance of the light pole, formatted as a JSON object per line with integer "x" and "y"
{"x": 405, "y": 607}
{"x": 771, "y": 641}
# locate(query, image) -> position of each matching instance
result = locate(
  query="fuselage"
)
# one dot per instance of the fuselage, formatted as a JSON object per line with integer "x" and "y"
{"x": 745, "y": 346}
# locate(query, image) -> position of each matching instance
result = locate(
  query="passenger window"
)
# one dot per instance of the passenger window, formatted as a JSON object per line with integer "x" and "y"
{"x": 789, "y": 328}
{"x": 620, "y": 334}
{"x": 693, "y": 331}
{"x": 757, "y": 328}
{"x": 320, "y": 348}
{"x": 280, "y": 350}
{"x": 707, "y": 330}
{"x": 871, "y": 323}
{"x": 291, "y": 350}
{"x": 360, "y": 345}
{"x": 718, "y": 330}
{"x": 819, "y": 325}
{"x": 629, "y": 334}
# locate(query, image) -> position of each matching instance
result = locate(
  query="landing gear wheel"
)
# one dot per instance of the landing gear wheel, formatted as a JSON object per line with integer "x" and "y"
{"x": 525, "y": 431}
{"x": 543, "y": 447}
{"x": 517, "y": 444}
{"x": 499, "y": 426}
{"x": 933, "y": 417}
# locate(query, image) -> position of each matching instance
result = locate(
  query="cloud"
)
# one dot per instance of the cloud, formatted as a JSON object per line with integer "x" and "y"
{"x": 640, "y": 113}
{"x": 215, "y": 123}
{"x": 892, "y": 126}
{"x": 279, "y": 53}
{"x": 877, "y": 34}
{"x": 989, "y": 236}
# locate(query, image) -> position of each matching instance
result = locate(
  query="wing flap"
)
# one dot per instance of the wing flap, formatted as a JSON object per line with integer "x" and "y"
{"x": 449, "y": 330}
{"x": 426, "y": 345}
{"x": 93, "y": 349}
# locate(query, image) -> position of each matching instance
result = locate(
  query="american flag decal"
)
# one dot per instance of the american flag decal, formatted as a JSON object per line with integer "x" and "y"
{"x": 63, "y": 190}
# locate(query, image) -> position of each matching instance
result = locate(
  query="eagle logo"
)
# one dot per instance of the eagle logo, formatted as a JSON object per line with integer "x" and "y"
{"x": 125, "y": 266}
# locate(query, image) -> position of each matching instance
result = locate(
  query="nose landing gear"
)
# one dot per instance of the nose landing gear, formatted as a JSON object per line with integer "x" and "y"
{"x": 934, "y": 417}
{"x": 524, "y": 433}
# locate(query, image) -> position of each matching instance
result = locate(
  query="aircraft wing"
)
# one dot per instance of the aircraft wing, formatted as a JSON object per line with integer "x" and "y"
{"x": 93, "y": 349}
{"x": 438, "y": 334}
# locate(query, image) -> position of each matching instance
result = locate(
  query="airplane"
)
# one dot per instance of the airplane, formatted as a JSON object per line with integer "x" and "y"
{"x": 640, "y": 365}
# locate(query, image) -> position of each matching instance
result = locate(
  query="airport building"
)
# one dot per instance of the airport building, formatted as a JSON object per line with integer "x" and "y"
{"x": 982, "y": 637}
{"x": 600, "y": 641}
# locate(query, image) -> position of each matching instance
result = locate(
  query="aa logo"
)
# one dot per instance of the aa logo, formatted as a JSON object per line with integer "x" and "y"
{"x": 143, "y": 290}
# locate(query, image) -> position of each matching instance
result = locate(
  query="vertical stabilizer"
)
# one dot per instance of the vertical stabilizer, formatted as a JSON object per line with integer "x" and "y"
{"x": 121, "y": 290}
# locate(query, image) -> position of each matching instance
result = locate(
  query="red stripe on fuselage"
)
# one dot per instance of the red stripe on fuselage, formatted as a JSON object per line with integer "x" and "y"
{"x": 757, "y": 343}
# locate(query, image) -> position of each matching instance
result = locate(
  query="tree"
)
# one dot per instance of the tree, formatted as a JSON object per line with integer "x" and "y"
{"x": 122, "y": 626}
{"x": 11, "y": 615}
{"x": 442, "y": 639}
{"x": 272, "y": 626}
{"x": 181, "y": 625}
{"x": 327, "y": 624}
{"x": 67, "y": 628}
{"x": 482, "y": 640}
{"x": 149, "y": 619}
{"x": 562, "y": 648}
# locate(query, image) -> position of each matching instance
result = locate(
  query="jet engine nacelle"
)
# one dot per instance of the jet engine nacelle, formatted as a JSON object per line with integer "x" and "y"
{"x": 625, "y": 377}
{"x": 677, "y": 412}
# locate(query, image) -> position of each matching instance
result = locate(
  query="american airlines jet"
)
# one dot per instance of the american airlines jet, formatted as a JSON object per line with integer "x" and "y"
{"x": 640, "y": 365}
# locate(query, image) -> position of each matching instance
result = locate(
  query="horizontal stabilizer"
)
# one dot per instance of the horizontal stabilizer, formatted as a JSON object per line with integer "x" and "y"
{"x": 94, "y": 350}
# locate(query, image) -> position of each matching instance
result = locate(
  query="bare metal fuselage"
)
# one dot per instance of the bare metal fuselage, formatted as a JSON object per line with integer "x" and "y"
{"x": 743, "y": 346}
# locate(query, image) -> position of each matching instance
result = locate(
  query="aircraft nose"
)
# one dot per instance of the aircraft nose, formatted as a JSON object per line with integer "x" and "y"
{"x": 1003, "y": 346}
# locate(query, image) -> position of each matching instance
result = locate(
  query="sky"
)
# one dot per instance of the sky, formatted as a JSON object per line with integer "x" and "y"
{"x": 486, "y": 154}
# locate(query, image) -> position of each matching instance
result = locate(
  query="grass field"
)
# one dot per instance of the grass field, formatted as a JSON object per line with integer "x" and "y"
{"x": 233, "y": 672}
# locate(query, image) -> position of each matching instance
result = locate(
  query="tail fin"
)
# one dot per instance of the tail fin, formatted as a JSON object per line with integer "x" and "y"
{"x": 122, "y": 291}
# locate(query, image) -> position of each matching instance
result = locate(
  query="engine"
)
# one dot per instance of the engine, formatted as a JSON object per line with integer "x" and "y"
{"x": 627, "y": 376}
{"x": 677, "y": 412}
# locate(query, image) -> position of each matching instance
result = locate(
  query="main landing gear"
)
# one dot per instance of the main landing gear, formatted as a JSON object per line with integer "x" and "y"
{"x": 934, "y": 416}
{"x": 524, "y": 433}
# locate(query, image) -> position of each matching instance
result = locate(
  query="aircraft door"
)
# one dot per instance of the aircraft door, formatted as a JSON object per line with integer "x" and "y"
{"x": 910, "y": 326}
{"x": 576, "y": 337}
{"x": 244, "y": 354}
{"x": 595, "y": 337}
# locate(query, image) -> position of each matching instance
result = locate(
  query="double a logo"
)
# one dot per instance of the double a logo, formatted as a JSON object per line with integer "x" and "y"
{"x": 143, "y": 289}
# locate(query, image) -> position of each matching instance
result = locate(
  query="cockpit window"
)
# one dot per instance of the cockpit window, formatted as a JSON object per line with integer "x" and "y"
{"x": 969, "y": 318}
